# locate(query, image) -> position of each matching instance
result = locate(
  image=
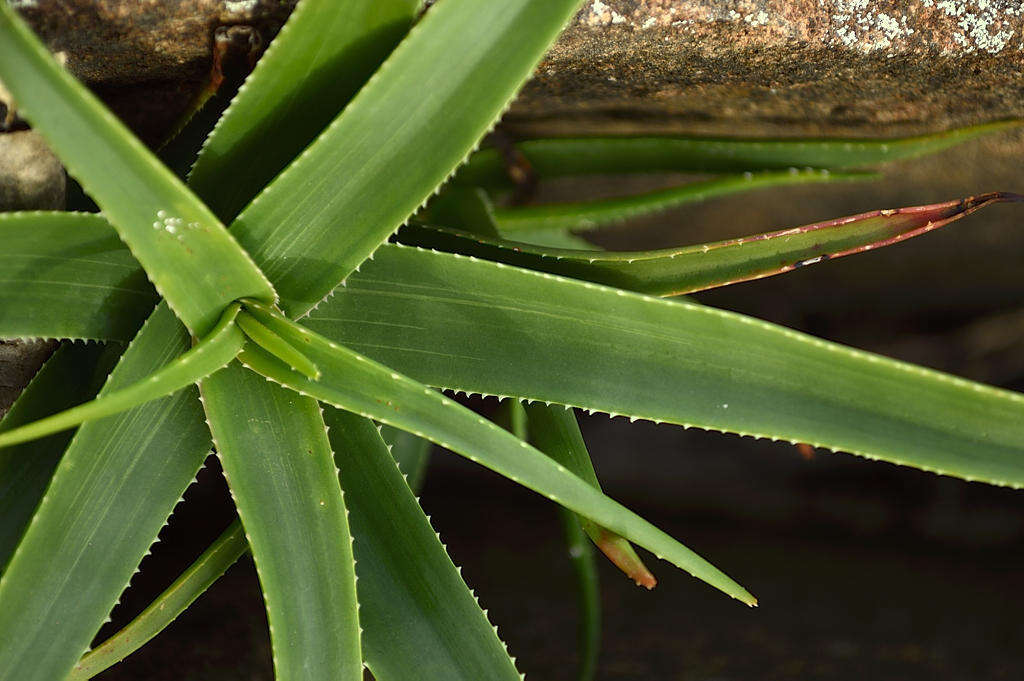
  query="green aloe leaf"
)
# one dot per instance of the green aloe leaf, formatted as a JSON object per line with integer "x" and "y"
{"x": 395, "y": 143}
{"x": 420, "y": 620}
{"x": 584, "y": 215}
{"x": 404, "y": 577}
{"x": 185, "y": 250}
{"x": 352, "y": 382}
{"x": 673, "y": 271}
{"x": 588, "y": 595}
{"x": 581, "y": 552}
{"x": 326, "y": 50}
{"x": 279, "y": 466}
{"x": 454, "y": 322}
{"x": 471, "y": 210}
{"x": 215, "y": 351}
{"x": 78, "y": 553}
{"x": 67, "y": 275}
{"x": 322, "y": 56}
{"x": 411, "y": 453}
{"x": 554, "y": 431}
{"x": 75, "y": 372}
{"x": 199, "y": 576}
{"x": 617, "y": 155}
{"x": 277, "y": 346}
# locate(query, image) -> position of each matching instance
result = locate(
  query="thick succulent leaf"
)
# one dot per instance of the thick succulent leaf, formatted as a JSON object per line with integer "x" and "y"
{"x": 279, "y": 466}
{"x": 67, "y": 275}
{"x": 581, "y": 552}
{"x": 78, "y": 553}
{"x": 185, "y": 250}
{"x": 199, "y": 576}
{"x": 475, "y": 326}
{"x": 395, "y": 143}
{"x": 74, "y": 373}
{"x": 557, "y": 238}
{"x": 277, "y": 346}
{"x": 618, "y": 155}
{"x": 354, "y": 383}
{"x": 673, "y": 271}
{"x": 416, "y": 612}
{"x": 588, "y": 595}
{"x": 419, "y": 619}
{"x": 471, "y": 210}
{"x": 583, "y": 215}
{"x": 215, "y": 351}
{"x": 411, "y": 453}
{"x": 412, "y": 311}
{"x": 318, "y": 61}
{"x": 554, "y": 431}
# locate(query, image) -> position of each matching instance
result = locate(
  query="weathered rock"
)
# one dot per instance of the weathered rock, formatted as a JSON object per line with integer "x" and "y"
{"x": 697, "y": 66}
{"x": 781, "y": 67}
{"x": 149, "y": 59}
{"x": 31, "y": 177}
{"x": 19, "y": 361}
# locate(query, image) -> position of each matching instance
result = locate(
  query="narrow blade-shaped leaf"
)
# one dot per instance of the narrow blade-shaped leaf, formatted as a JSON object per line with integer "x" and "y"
{"x": 583, "y": 215}
{"x": 78, "y": 552}
{"x": 279, "y": 466}
{"x": 420, "y": 620}
{"x": 277, "y": 346}
{"x": 185, "y": 250}
{"x": 67, "y": 275}
{"x": 199, "y": 576}
{"x": 554, "y": 431}
{"x": 395, "y": 143}
{"x": 322, "y": 56}
{"x": 410, "y": 598}
{"x": 74, "y": 373}
{"x": 210, "y": 354}
{"x": 617, "y": 155}
{"x": 354, "y": 383}
{"x": 588, "y": 595}
{"x": 475, "y": 326}
{"x": 672, "y": 271}
{"x": 411, "y": 453}
{"x": 471, "y": 210}
{"x": 581, "y": 551}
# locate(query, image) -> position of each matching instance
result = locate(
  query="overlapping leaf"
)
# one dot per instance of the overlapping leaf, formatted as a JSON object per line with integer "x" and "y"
{"x": 66, "y": 275}
{"x": 420, "y": 620}
{"x": 73, "y": 374}
{"x": 395, "y": 143}
{"x": 318, "y": 61}
{"x": 199, "y": 576}
{"x": 79, "y": 552}
{"x": 352, "y": 382}
{"x": 583, "y": 215}
{"x": 279, "y": 465}
{"x": 581, "y": 551}
{"x": 220, "y": 347}
{"x": 453, "y": 322}
{"x": 554, "y": 431}
{"x": 673, "y": 271}
{"x": 186, "y": 251}
{"x": 617, "y": 155}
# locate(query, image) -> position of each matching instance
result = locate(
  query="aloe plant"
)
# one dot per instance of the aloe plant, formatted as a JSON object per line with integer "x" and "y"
{"x": 290, "y": 319}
